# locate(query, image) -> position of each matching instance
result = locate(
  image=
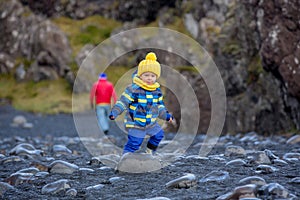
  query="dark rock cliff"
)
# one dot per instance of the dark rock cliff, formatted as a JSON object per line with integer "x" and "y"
{"x": 255, "y": 44}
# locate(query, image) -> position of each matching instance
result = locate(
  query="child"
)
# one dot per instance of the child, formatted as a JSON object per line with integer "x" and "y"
{"x": 143, "y": 101}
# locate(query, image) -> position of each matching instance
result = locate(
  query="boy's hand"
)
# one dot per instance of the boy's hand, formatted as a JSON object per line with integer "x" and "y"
{"x": 111, "y": 117}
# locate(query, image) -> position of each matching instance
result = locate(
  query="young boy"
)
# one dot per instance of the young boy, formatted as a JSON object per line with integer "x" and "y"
{"x": 143, "y": 101}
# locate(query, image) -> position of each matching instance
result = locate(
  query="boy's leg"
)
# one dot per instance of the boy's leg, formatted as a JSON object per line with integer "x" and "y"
{"x": 154, "y": 140}
{"x": 133, "y": 142}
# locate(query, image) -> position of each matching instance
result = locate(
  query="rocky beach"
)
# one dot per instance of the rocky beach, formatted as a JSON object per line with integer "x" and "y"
{"x": 50, "y": 162}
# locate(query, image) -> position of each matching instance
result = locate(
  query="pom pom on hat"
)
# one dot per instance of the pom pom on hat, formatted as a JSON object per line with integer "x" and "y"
{"x": 149, "y": 65}
{"x": 102, "y": 76}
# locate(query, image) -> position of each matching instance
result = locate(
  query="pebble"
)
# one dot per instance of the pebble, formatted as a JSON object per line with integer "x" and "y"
{"x": 32, "y": 170}
{"x": 245, "y": 191}
{"x": 291, "y": 156}
{"x": 116, "y": 179}
{"x": 295, "y": 180}
{"x": 236, "y": 162}
{"x": 186, "y": 181}
{"x": 138, "y": 163}
{"x": 259, "y": 157}
{"x": 215, "y": 176}
{"x": 156, "y": 198}
{"x": 11, "y": 159}
{"x": 253, "y": 180}
{"x": 265, "y": 169}
{"x": 55, "y": 187}
{"x": 62, "y": 167}
{"x": 71, "y": 192}
{"x": 4, "y": 187}
{"x": 61, "y": 150}
{"x": 95, "y": 187}
{"x": 233, "y": 150}
{"x": 274, "y": 190}
{"x": 19, "y": 178}
{"x": 279, "y": 162}
{"x": 293, "y": 140}
{"x": 270, "y": 154}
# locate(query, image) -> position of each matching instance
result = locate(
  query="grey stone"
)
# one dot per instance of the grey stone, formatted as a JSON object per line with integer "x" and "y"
{"x": 56, "y": 187}
{"x": 215, "y": 176}
{"x": 62, "y": 167}
{"x": 252, "y": 180}
{"x": 138, "y": 163}
{"x": 235, "y": 151}
{"x": 186, "y": 181}
{"x": 293, "y": 140}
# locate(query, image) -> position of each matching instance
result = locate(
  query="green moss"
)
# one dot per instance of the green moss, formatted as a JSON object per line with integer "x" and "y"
{"x": 42, "y": 97}
{"x": 92, "y": 30}
{"x": 231, "y": 47}
{"x": 191, "y": 69}
{"x": 255, "y": 68}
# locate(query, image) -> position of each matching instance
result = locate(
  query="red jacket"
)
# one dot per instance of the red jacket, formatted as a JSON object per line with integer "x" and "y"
{"x": 103, "y": 91}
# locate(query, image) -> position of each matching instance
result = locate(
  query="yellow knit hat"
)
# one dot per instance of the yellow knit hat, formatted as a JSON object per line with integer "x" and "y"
{"x": 149, "y": 65}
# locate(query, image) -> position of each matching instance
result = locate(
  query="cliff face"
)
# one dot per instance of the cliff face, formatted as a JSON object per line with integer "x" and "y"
{"x": 255, "y": 44}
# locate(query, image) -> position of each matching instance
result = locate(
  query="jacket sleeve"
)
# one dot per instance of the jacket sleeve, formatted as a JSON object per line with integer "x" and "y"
{"x": 123, "y": 103}
{"x": 162, "y": 111}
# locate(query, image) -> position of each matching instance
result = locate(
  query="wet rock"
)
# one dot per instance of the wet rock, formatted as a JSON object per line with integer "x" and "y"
{"x": 83, "y": 169}
{"x": 265, "y": 169}
{"x": 56, "y": 187}
{"x": 138, "y": 163}
{"x": 32, "y": 170}
{"x": 253, "y": 180}
{"x": 22, "y": 145}
{"x": 259, "y": 157}
{"x": 245, "y": 191}
{"x": 186, "y": 181}
{"x": 18, "y": 120}
{"x": 273, "y": 190}
{"x": 11, "y": 159}
{"x": 42, "y": 174}
{"x": 61, "y": 150}
{"x": 227, "y": 196}
{"x": 25, "y": 149}
{"x": 94, "y": 161}
{"x": 236, "y": 162}
{"x": 4, "y": 187}
{"x": 279, "y": 162}
{"x": 250, "y": 137}
{"x": 234, "y": 151}
{"x": 156, "y": 198}
{"x": 116, "y": 179}
{"x": 105, "y": 168}
{"x": 71, "y": 192}
{"x": 291, "y": 156}
{"x": 270, "y": 154}
{"x": 215, "y": 176}
{"x": 19, "y": 178}
{"x": 295, "y": 180}
{"x": 217, "y": 157}
{"x": 95, "y": 187}
{"x": 62, "y": 167}
{"x": 293, "y": 140}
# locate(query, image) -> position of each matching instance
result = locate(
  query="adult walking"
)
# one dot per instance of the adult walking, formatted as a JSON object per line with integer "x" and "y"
{"x": 101, "y": 94}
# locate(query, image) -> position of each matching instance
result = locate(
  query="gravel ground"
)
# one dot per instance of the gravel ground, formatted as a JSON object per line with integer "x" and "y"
{"x": 47, "y": 128}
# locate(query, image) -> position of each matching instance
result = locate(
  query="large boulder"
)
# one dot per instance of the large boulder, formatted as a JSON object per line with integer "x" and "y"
{"x": 35, "y": 39}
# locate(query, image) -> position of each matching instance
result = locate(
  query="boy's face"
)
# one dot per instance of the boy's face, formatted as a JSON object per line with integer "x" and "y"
{"x": 148, "y": 77}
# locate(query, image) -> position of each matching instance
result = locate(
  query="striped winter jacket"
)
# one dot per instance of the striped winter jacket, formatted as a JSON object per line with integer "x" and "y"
{"x": 143, "y": 105}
